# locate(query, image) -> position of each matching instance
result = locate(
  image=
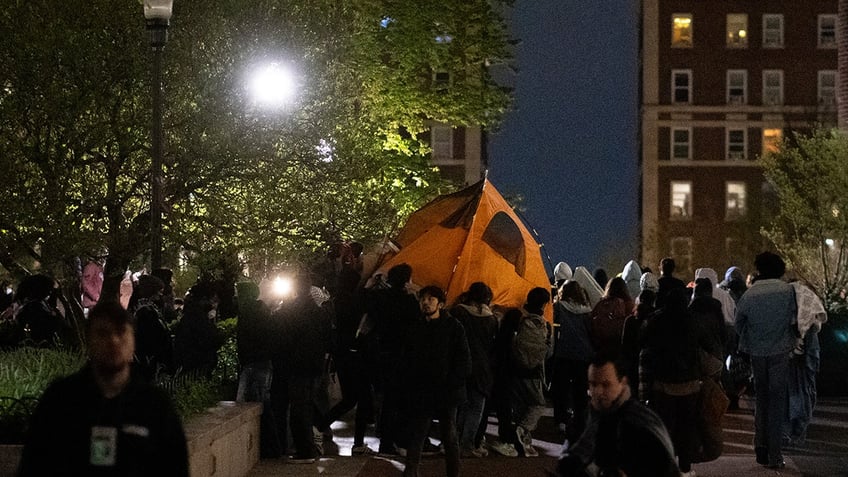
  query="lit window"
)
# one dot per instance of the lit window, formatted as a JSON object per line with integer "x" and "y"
{"x": 442, "y": 142}
{"x": 772, "y": 31}
{"x": 681, "y": 250}
{"x": 681, "y": 200}
{"x": 827, "y": 31}
{"x": 681, "y": 30}
{"x": 737, "y": 86}
{"x": 737, "y": 30}
{"x": 681, "y": 86}
{"x": 681, "y": 143}
{"x": 827, "y": 88}
{"x": 771, "y": 140}
{"x": 736, "y": 204}
{"x": 736, "y": 144}
{"x": 772, "y": 87}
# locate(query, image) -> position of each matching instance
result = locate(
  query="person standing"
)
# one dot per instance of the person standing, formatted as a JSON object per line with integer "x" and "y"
{"x": 667, "y": 280}
{"x": 392, "y": 310}
{"x": 530, "y": 348}
{"x": 104, "y": 419}
{"x": 765, "y": 322}
{"x": 154, "y": 350}
{"x": 298, "y": 364}
{"x": 436, "y": 362}
{"x": 572, "y": 354}
{"x": 481, "y": 328}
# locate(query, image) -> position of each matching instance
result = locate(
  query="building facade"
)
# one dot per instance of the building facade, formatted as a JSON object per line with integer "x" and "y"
{"x": 458, "y": 152}
{"x": 723, "y": 82}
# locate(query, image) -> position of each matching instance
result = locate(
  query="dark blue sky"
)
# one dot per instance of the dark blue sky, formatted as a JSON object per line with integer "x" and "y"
{"x": 570, "y": 144}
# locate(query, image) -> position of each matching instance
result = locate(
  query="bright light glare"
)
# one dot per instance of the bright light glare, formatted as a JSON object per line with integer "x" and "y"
{"x": 282, "y": 286}
{"x": 829, "y": 242}
{"x": 272, "y": 85}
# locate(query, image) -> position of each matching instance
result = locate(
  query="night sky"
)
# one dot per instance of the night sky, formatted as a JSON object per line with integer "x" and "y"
{"x": 570, "y": 144}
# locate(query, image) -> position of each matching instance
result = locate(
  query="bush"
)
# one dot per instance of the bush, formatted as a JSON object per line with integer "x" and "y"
{"x": 833, "y": 339}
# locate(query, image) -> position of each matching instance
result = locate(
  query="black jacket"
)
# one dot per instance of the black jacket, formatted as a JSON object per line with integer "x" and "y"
{"x": 480, "y": 331}
{"x": 434, "y": 365}
{"x": 150, "y": 439}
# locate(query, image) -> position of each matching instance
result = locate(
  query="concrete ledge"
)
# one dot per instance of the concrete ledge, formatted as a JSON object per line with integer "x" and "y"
{"x": 223, "y": 442}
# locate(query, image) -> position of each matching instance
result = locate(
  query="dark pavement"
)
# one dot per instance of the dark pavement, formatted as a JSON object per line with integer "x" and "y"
{"x": 825, "y": 455}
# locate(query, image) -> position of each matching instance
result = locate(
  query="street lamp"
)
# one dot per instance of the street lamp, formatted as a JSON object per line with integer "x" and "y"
{"x": 157, "y": 14}
{"x": 272, "y": 85}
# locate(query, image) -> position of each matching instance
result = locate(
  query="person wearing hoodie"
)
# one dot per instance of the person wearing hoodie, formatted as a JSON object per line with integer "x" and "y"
{"x": 572, "y": 354}
{"x": 562, "y": 272}
{"x": 728, "y": 305}
{"x": 594, "y": 291}
{"x": 632, "y": 274}
{"x": 734, "y": 283}
{"x": 481, "y": 327}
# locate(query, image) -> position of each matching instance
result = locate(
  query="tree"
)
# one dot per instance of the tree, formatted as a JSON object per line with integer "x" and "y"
{"x": 347, "y": 160}
{"x": 809, "y": 175}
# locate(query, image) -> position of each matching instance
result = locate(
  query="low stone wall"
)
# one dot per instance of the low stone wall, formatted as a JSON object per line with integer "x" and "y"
{"x": 223, "y": 442}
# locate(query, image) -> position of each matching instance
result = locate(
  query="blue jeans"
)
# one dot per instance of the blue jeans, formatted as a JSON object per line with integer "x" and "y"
{"x": 468, "y": 418}
{"x": 771, "y": 379}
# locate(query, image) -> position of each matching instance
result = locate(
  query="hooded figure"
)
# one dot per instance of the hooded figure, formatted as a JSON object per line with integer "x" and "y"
{"x": 648, "y": 281}
{"x": 728, "y": 306}
{"x": 562, "y": 272}
{"x": 631, "y": 274}
{"x": 734, "y": 283}
{"x": 587, "y": 281}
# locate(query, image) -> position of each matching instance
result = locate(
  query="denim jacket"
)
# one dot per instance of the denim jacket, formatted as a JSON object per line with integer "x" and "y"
{"x": 766, "y": 318}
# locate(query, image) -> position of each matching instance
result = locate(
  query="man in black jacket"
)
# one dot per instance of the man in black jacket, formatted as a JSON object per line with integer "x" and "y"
{"x": 437, "y": 362}
{"x": 622, "y": 436}
{"x": 105, "y": 420}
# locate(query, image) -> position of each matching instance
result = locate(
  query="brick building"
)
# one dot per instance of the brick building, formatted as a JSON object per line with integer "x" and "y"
{"x": 723, "y": 82}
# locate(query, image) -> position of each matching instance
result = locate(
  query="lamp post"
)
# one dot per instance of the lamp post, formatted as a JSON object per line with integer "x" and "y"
{"x": 157, "y": 14}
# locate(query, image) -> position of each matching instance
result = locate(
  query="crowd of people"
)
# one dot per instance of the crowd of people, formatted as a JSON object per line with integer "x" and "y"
{"x": 630, "y": 367}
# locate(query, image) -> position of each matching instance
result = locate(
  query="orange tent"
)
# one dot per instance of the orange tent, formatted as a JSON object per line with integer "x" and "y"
{"x": 468, "y": 236}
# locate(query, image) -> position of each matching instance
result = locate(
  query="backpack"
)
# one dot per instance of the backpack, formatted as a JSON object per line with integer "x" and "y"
{"x": 530, "y": 344}
{"x": 607, "y": 325}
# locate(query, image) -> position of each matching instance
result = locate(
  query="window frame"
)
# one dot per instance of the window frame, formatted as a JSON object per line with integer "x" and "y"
{"x": 741, "y": 41}
{"x": 688, "y": 74}
{"x": 727, "y": 151}
{"x": 766, "y": 88}
{"x": 766, "y": 18}
{"x": 820, "y": 89}
{"x": 689, "y": 209}
{"x": 674, "y": 143}
{"x": 832, "y": 43}
{"x": 683, "y": 43}
{"x": 436, "y": 147}
{"x": 744, "y": 97}
{"x": 739, "y": 212}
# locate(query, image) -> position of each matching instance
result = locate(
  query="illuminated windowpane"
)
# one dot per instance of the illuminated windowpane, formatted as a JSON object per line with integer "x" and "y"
{"x": 827, "y": 31}
{"x": 737, "y": 30}
{"x": 681, "y": 200}
{"x": 773, "y": 31}
{"x": 771, "y": 140}
{"x": 681, "y": 30}
{"x": 736, "y": 200}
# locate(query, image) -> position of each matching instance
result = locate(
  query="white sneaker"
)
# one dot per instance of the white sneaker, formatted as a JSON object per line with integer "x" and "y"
{"x": 503, "y": 448}
{"x": 691, "y": 473}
